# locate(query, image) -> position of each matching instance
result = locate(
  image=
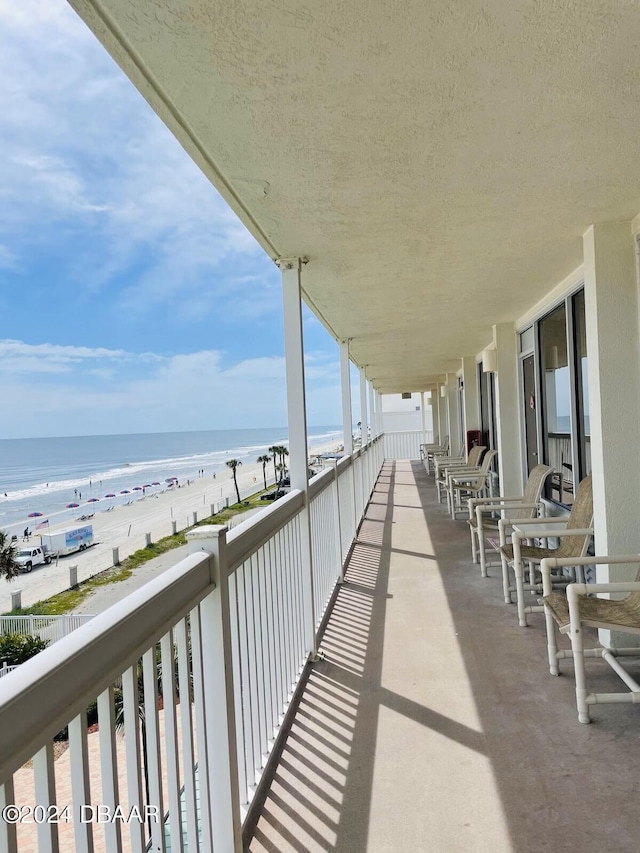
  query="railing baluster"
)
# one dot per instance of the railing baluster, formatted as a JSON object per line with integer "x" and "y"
{"x": 131, "y": 711}
{"x": 80, "y": 789}
{"x": 243, "y": 784}
{"x": 150, "y": 723}
{"x": 168, "y": 664}
{"x": 200, "y": 729}
{"x": 255, "y": 665}
{"x": 45, "y": 796}
{"x": 109, "y": 767}
{"x": 186, "y": 732}
{"x": 263, "y": 659}
{"x": 8, "y": 840}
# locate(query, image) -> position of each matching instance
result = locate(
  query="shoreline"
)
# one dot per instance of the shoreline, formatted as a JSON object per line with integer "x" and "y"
{"x": 125, "y": 527}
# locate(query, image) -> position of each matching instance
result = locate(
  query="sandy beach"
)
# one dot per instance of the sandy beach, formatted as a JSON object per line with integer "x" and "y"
{"x": 125, "y": 527}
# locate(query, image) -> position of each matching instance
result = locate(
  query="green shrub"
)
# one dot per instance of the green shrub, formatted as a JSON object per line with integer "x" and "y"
{"x": 18, "y": 648}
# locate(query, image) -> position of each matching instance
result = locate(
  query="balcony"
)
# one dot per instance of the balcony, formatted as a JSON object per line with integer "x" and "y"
{"x": 428, "y": 723}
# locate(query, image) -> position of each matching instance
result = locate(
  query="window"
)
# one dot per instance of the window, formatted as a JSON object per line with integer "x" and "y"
{"x": 562, "y": 360}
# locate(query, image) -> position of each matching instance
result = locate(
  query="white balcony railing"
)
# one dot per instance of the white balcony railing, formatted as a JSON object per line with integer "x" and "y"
{"x": 405, "y": 445}
{"x": 189, "y": 679}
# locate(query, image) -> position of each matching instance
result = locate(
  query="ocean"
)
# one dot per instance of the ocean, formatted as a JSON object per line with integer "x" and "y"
{"x": 43, "y": 475}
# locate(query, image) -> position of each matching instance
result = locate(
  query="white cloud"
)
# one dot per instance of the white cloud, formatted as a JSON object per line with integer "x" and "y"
{"x": 84, "y": 153}
{"x": 80, "y": 390}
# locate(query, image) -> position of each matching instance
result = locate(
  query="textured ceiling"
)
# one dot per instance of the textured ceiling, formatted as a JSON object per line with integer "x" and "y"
{"x": 437, "y": 162}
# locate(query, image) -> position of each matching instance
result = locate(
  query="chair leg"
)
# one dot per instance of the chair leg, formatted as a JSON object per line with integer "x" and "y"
{"x": 505, "y": 580}
{"x": 552, "y": 644}
{"x": 575, "y": 635}
{"x": 517, "y": 568}
{"x": 474, "y": 550}
{"x": 483, "y": 554}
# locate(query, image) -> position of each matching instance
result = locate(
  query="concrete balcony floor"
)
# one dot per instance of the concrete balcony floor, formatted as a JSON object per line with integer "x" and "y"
{"x": 433, "y": 724}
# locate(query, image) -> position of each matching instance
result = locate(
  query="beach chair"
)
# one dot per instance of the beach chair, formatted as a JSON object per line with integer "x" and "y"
{"x": 581, "y": 608}
{"x": 469, "y": 485}
{"x": 574, "y": 541}
{"x": 513, "y": 508}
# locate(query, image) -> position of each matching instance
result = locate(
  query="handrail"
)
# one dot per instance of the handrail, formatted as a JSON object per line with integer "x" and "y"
{"x": 244, "y": 539}
{"x": 57, "y": 684}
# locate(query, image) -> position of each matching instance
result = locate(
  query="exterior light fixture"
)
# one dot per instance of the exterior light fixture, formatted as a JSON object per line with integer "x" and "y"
{"x": 489, "y": 361}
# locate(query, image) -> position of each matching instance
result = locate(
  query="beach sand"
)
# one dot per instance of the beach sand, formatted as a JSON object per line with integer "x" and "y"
{"x": 125, "y": 527}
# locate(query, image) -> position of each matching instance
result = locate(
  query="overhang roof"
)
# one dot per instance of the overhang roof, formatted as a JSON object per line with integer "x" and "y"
{"x": 437, "y": 162}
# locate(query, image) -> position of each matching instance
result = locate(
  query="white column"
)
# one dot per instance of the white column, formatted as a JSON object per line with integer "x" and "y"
{"x": 423, "y": 420}
{"x": 443, "y": 418}
{"x": 508, "y": 410}
{"x": 613, "y": 353}
{"x": 379, "y": 413}
{"x": 297, "y": 423}
{"x": 455, "y": 439}
{"x": 372, "y": 414}
{"x": 345, "y": 381}
{"x": 471, "y": 408}
{"x": 363, "y": 405}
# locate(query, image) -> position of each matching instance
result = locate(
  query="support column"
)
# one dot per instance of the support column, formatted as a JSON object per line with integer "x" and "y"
{"x": 443, "y": 419}
{"x": 508, "y": 410}
{"x": 455, "y": 439}
{"x": 372, "y": 414}
{"x": 471, "y": 408}
{"x": 379, "y": 413}
{"x": 423, "y": 419}
{"x": 345, "y": 381}
{"x": 363, "y": 406}
{"x": 297, "y": 423}
{"x": 613, "y": 359}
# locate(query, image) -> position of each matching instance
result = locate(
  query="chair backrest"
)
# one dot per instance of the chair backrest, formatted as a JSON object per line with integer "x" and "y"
{"x": 473, "y": 459}
{"x": 478, "y": 482}
{"x": 581, "y": 516}
{"x": 532, "y": 491}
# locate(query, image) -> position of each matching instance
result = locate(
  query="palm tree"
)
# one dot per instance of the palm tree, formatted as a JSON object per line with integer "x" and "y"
{"x": 233, "y": 464}
{"x": 9, "y": 567}
{"x": 273, "y": 450}
{"x": 264, "y": 460}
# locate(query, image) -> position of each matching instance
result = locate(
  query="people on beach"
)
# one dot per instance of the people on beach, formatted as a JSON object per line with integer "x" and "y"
{"x": 26, "y": 533}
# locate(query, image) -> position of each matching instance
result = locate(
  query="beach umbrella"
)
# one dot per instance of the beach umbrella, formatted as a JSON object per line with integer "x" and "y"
{"x": 147, "y": 486}
{"x": 156, "y": 483}
{"x": 34, "y": 515}
{"x": 93, "y": 500}
{"x": 72, "y": 506}
{"x": 136, "y": 488}
{"x": 124, "y": 492}
{"x": 110, "y": 495}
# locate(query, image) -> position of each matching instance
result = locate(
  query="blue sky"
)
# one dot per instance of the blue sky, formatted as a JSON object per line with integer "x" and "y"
{"x": 131, "y": 297}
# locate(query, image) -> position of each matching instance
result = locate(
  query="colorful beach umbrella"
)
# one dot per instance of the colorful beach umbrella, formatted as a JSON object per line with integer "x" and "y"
{"x": 124, "y": 492}
{"x": 147, "y": 486}
{"x": 34, "y": 515}
{"x": 110, "y": 495}
{"x": 72, "y": 506}
{"x": 93, "y": 500}
{"x": 156, "y": 483}
{"x": 136, "y": 488}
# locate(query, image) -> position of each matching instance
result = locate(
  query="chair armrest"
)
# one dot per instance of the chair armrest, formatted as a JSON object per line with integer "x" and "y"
{"x": 550, "y": 563}
{"x": 496, "y": 500}
{"x": 555, "y": 519}
{"x": 480, "y": 509}
{"x": 542, "y": 534}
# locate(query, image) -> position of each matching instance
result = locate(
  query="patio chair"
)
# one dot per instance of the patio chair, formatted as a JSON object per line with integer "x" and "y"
{"x": 434, "y": 446}
{"x": 574, "y": 542}
{"x": 441, "y": 460}
{"x": 433, "y": 450}
{"x": 469, "y": 485}
{"x": 577, "y": 610}
{"x": 472, "y": 463}
{"x": 513, "y": 509}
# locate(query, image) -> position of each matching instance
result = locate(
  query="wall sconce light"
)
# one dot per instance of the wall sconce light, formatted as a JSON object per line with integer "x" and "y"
{"x": 489, "y": 360}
